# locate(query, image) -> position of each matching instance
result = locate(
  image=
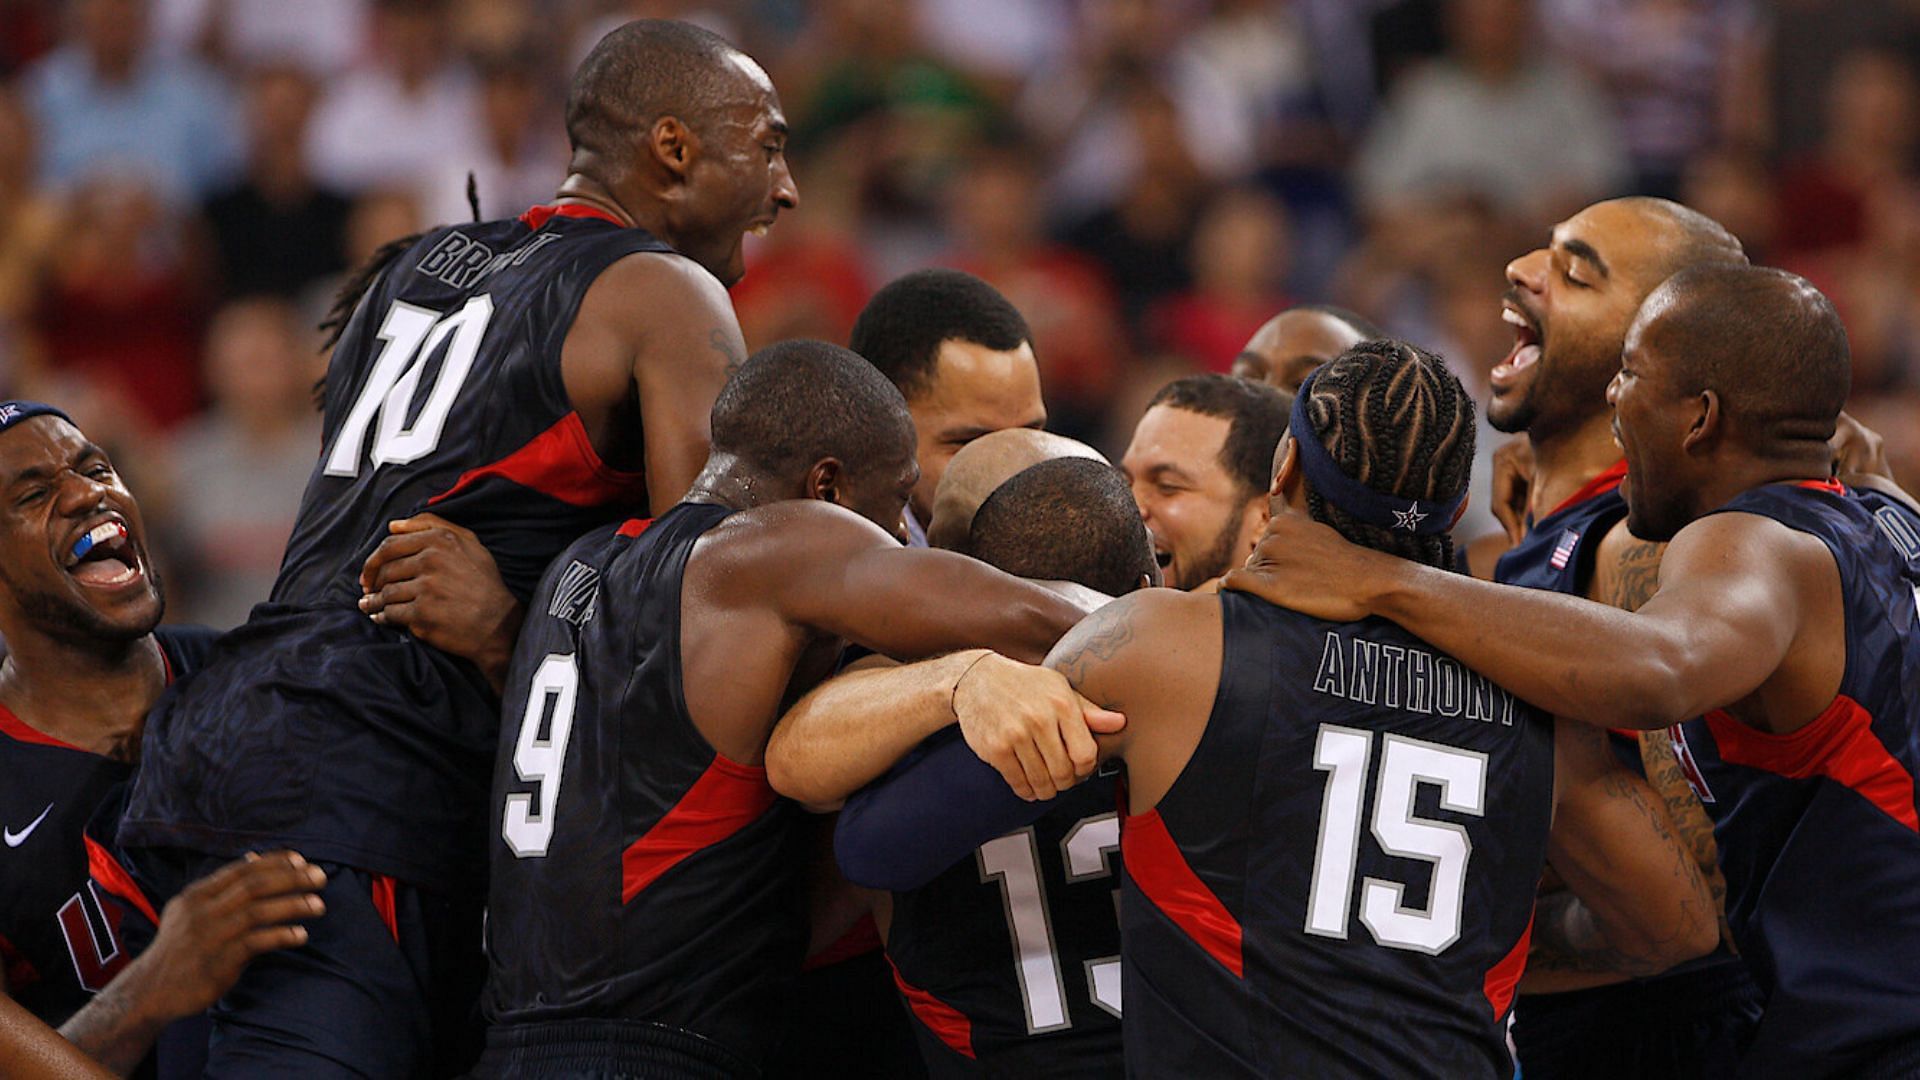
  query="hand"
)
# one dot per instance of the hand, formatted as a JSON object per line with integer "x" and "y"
{"x": 1513, "y": 485}
{"x": 1030, "y": 724}
{"x": 1858, "y": 449}
{"x": 1301, "y": 564}
{"x": 217, "y": 924}
{"x": 437, "y": 581}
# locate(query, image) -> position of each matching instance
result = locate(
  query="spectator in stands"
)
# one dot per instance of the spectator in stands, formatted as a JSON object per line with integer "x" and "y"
{"x": 1239, "y": 261}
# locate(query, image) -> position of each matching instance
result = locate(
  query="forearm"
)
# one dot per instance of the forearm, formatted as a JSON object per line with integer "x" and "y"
{"x": 883, "y": 603}
{"x": 31, "y": 1048}
{"x": 1570, "y": 656}
{"x": 1568, "y": 951}
{"x": 854, "y": 727}
{"x": 114, "y": 1028}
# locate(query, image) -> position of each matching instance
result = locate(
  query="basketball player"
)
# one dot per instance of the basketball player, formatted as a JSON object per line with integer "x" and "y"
{"x": 962, "y": 356}
{"x": 80, "y": 605}
{"x": 1008, "y": 960}
{"x": 644, "y": 686}
{"x": 525, "y": 379}
{"x": 1199, "y": 463}
{"x": 1781, "y": 632}
{"x": 1569, "y": 306}
{"x": 1287, "y": 347}
{"x": 1299, "y": 998}
{"x": 980, "y": 467}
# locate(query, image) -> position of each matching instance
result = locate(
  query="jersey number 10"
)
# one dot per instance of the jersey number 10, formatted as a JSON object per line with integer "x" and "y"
{"x": 409, "y": 337}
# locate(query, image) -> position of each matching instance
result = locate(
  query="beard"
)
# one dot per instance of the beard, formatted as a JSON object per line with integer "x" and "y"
{"x": 66, "y": 619}
{"x": 1218, "y": 558}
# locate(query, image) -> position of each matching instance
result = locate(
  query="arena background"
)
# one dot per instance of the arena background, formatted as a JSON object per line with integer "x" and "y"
{"x": 182, "y": 183}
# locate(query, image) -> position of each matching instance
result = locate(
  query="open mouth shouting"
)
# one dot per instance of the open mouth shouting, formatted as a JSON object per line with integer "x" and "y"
{"x": 1528, "y": 340}
{"x": 104, "y": 556}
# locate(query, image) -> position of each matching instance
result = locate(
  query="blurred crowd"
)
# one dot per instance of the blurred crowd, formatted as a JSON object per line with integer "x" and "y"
{"x": 183, "y": 182}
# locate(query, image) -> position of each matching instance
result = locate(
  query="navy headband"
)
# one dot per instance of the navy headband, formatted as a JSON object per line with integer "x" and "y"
{"x": 1395, "y": 513}
{"x": 14, "y": 412}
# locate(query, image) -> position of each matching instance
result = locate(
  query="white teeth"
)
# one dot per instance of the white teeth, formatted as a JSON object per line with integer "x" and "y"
{"x": 759, "y": 230}
{"x": 1511, "y": 316}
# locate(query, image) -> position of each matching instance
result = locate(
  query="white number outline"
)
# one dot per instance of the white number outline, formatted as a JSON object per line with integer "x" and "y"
{"x": 1014, "y": 859}
{"x": 409, "y": 335}
{"x": 541, "y": 761}
{"x": 1404, "y": 764}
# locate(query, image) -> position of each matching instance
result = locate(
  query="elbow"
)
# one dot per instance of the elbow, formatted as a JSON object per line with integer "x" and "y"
{"x": 865, "y": 861}
{"x": 1654, "y": 695}
{"x": 785, "y": 776}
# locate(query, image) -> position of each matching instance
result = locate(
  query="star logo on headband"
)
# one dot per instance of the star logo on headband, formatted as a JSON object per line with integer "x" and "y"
{"x": 8, "y": 412}
{"x": 1408, "y": 519}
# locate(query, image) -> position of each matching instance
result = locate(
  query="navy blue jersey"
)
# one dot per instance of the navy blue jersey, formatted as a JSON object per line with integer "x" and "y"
{"x": 313, "y": 727}
{"x": 1684, "y": 1012}
{"x": 637, "y": 874}
{"x": 1818, "y": 832}
{"x": 63, "y": 895}
{"x": 1557, "y": 552}
{"x": 1340, "y": 882}
{"x": 1010, "y": 960}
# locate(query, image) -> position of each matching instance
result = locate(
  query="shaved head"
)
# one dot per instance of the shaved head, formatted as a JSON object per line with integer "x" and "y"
{"x": 647, "y": 69}
{"x": 983, "y": 465}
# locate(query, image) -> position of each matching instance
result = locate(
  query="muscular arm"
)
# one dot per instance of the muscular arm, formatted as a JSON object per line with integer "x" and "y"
{"x": 34, "y": 1051}
{"x": 1727, "y": 610}
{"x": 659, "y": 329}
{"x": 1636, "y": 902}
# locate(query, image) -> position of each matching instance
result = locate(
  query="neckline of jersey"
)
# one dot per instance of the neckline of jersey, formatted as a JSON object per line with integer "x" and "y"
{"x": 20, "y": 731}
{"x": 537, "y": 216}
{"x": 1608, "y": 479}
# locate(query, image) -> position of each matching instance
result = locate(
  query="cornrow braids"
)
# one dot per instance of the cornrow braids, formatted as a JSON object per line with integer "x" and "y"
{"x": 348, "y": 298}
{"x": 1394, "y": 418}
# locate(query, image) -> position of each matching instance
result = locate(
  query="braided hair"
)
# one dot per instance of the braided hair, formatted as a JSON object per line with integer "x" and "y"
{"x": 1394, "y": 418}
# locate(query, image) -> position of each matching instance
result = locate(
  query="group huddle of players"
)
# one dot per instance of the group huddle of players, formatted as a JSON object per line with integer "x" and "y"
{"x": 585, "y": 610}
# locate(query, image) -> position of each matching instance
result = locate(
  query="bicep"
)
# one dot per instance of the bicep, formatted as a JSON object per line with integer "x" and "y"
{"x": 678, "y": 374}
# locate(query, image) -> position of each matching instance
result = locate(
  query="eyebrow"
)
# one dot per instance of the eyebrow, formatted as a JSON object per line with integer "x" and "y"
{"x": 1583, "y": 251}
{"x": 779, "y": 127}
{"x": 42, "y": 472}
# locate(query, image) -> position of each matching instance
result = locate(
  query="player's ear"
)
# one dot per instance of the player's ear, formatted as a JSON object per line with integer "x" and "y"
{"x": 1286, "y": 475}
{"x": 1707, "y": 418}
{"x": 824, "y": 481}
{"x": 674, "y": 145}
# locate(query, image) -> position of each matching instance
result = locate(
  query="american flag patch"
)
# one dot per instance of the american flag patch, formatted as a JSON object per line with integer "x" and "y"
{"x": 1563, "y": 551}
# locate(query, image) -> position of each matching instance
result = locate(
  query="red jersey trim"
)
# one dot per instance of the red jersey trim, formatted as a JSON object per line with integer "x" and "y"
{"x": 113, "y": 877}
{"x": 1830, "y": 485}
{"x": 537, "y": 216}
{"x": 1606, "y": 481}
{"x": 19, "y": 971}
{"x": 18, "y": 729}
{"x": 560, "y": 463}
{"x": 383, "y": 902}
{"x": 633, "y": 527}
{"x": 1839, "y": 745}
{"x": 728, "y": 797}
{"x": 860, "y": 939}
{"x": 1162, "y": 873}
{"x": 947, "y": 1023}
{"x": 1504, "y": 977}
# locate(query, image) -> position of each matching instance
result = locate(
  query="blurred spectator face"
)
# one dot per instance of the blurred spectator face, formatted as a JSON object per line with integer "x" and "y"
{"x": 1736, "y": 189}
{"x": 974, "y": 391}
{"x": 997, "y": 204}
{"x": 258, "y": 368}
{"x": 378, "y": 217}
{"x": 16, "y": 143}
{"x": 1202, "y": 519}
{"x": 1870, "y": 103}
{"x": 112, "y": 31}
{"x": 509, "y": 98}
{"x": 412, "y": 35}
{"x": 1569, "y": 307}
{"x": 279, "y": 102}
{"x": 1287, "y": 349}
{"x": 1240, "y": 247}
{"x": 1489, "y": 35}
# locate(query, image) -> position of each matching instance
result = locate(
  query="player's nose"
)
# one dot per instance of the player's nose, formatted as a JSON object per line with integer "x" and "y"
{"x": 1529, "y": 271}
{"x": 786, "y": 193}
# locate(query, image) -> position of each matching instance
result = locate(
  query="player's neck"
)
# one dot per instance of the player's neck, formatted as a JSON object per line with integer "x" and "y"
{"x": 95, "y": 699}
{"x": 1733, "y": 475}
{"x": 1564, "y": 462}
{"x": 585, "y": 190}
{"x": 733, "y": 483}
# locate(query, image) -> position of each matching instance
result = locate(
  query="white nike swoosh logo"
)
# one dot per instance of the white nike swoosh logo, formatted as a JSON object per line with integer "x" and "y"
{"x": 15, "y": 839}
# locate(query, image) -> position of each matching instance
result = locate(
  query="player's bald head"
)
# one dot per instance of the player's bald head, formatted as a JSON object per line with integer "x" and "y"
{"x": 1687, "y": 237}
{"x": 1765, "y": 341}
{"x": 983, "y": 465}
{"x": 647, "y": 69}
{"x": 800, "y": 402}
{"x": 1069, "y": 519}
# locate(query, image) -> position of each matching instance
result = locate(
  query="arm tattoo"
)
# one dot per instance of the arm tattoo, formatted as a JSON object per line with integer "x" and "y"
{"x": 724, "y": 346}
{"x": 1637, "y": 575}
{"x": 1689, "y": 818}
{"x": 1095, "y": 641}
